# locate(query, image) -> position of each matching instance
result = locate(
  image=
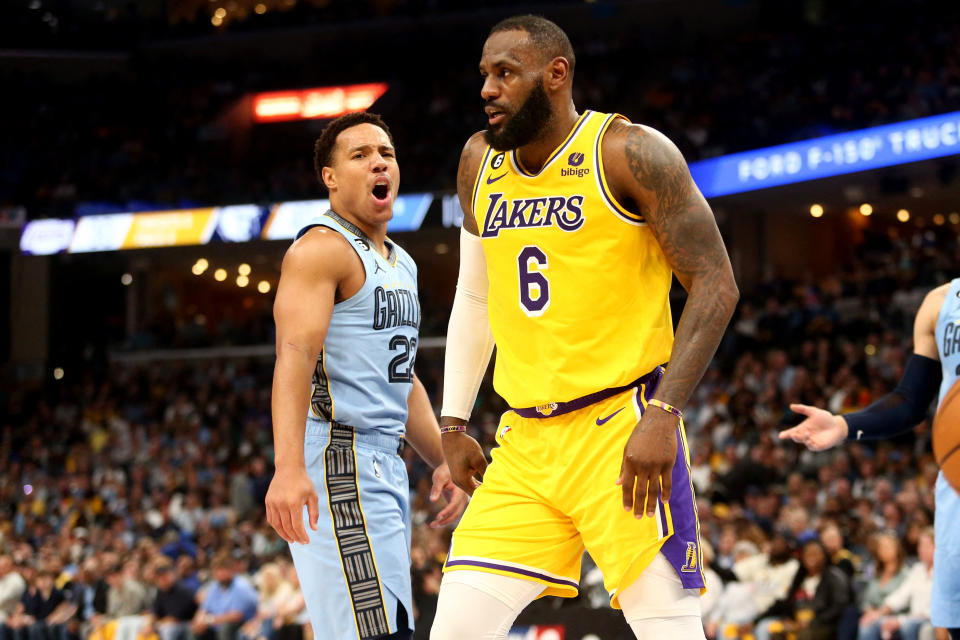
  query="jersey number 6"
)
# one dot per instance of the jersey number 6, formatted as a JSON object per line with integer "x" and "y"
{"x": 534, "y": 287}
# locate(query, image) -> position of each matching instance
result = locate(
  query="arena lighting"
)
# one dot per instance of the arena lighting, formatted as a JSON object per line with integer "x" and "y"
{"x": 220, "y": 275}
{"x": 885, "y": 146}
{"x": 242, "y": 281}
{"x": 866, "y": 209}
{"x": 244, "y": 269}
{"x": 323, "y": 102}
{"x": 939, "y": 219}
{"x": 903, "y": 215}
{"x": 263, "y": 286}
{"x": 126, "y": 279}
{"x": 816, "y": 210}
{"x": 955, "y": 218}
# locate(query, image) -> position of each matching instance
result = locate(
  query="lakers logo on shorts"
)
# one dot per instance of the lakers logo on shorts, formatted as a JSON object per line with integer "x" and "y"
{"x": 546, "y": 409}
{"x": 691, "y": 561}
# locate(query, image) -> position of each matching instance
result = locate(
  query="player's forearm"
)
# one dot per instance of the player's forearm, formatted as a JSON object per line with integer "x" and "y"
{"x": 423, "y": 433}
{"x": 469, "y": 340}
{"x": 290, "y": 399}
{"x": 705, "y": 316}
{"x": 903, "y": 408}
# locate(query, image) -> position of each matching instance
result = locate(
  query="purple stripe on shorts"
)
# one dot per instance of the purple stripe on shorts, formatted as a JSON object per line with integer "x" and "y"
{"x": 650, "y": 380}
{"x": 683, "y": 511}
{"x": 517, "y": 570}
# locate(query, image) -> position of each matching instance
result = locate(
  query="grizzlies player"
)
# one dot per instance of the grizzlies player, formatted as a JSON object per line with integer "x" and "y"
{"x": 574, "y": 224}
{"x": 347, "y": 320}
{"x": 934, "y": 365}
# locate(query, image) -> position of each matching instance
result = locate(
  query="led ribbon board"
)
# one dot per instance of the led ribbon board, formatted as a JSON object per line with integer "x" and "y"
{"x": 323, "y": 102}
{"x": 872, "y": 148}
{"x": 235, "y": 223}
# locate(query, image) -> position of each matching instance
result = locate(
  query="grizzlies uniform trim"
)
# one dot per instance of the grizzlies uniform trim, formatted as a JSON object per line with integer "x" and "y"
{"x": 945, "y": 598}
{"x": 350, "y": 530}
{"x": 616, "y": 207}
{"x": 321, "y": 400}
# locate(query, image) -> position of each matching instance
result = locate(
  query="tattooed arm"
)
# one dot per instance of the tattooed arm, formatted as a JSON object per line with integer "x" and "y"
{"x": 648, "y": 174}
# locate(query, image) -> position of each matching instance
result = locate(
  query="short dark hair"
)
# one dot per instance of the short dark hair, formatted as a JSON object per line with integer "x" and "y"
{"x": 546, "y": 36}
{"x": 323, "y": 148}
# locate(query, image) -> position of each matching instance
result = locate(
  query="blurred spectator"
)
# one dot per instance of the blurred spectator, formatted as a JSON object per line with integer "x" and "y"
{"x": 907, "y": 609}
{"x": 228, "y": 601}
{"x": 36, "y": 618}
{"x": 173, "y": 607}
{"x": 815, "y": 600}
{"x": 762, "y": 579}
{"x": 889, "y": 573}
{"x": 273, "y": 592}
{"x": 12, "y": 586}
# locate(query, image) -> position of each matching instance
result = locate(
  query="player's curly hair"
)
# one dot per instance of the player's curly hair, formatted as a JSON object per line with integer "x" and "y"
{"x": 323, "y": 147}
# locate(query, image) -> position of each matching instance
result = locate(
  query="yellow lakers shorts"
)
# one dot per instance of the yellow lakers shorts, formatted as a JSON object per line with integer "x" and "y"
{"x": 550, "y": 493}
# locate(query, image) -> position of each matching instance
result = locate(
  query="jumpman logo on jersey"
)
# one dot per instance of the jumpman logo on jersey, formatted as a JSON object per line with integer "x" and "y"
{"x": 378, "y": 269}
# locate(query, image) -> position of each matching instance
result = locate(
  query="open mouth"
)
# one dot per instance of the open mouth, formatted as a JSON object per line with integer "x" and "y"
{"x": 381, "y": 190}
{"x": 495, "y": 115}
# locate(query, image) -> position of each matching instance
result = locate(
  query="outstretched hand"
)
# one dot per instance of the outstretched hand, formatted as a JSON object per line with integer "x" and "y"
{"x": 466, "y": 460}
{"x": 821, "y": 429}
{"x": 648, "y": 459}
{"x": 454, "y": 496}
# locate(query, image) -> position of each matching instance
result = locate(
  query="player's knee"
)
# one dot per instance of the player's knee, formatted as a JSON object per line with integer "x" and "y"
{"x": 657, "y": 606}
{"x": 675, "y": 628}
{"x": 494, "y": 603}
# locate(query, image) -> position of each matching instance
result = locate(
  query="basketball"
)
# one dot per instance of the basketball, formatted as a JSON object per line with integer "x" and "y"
{"x": 946, "y": 436}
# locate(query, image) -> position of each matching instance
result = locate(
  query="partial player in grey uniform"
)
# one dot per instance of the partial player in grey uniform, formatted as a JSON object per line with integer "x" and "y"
{"x": 345, "y": 396}
{"x": 933, "y": 368}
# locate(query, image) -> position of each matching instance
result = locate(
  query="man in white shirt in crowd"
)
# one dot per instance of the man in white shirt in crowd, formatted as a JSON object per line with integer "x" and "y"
{"x": 12, "y": 586}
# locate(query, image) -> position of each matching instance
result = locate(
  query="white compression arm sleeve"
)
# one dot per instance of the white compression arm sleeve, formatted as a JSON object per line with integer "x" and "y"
{"x": 469, "y": 341}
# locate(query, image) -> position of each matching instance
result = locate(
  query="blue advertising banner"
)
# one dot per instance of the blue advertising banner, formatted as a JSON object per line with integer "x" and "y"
{"x": 884, "y": 146}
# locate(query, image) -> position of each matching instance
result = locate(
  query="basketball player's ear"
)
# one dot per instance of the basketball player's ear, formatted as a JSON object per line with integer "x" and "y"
{"x": 329, "y": 178}
{"x": 558, "y": 72}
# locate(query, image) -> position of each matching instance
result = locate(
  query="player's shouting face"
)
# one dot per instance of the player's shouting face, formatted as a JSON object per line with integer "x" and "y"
{"x": 363, "y": 174}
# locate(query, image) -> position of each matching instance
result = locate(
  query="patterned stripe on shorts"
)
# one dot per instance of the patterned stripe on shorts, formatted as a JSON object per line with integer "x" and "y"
{"x": 350, "y": 529}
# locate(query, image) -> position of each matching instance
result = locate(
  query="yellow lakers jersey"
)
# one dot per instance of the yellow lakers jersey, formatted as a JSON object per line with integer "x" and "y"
{"x": 579, "y": 287}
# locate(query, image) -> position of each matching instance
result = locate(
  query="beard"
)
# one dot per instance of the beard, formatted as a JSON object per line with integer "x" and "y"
{"x": 525, "y": 125}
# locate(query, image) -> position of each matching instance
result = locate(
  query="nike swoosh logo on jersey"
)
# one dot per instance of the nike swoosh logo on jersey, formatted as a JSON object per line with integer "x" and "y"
{"x": 603, "y": 421}
{"x": 492, "y": 180}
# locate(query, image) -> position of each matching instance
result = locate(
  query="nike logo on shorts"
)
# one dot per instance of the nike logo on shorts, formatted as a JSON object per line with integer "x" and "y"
{"x": 492, "y": 180}
{"x": 603, "y": 421}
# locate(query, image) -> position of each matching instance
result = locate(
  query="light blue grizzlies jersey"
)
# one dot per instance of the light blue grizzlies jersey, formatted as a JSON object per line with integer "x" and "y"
{"x": 945, "y": 602}
{"x": 365, "y": 371}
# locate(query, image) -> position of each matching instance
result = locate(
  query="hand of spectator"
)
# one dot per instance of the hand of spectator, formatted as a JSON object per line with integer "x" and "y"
{"x": 821, "y": 430}
{"x": 648, "y": 459}
{"x": 869, "y": 617}
{"x": 465, "y": 459}
{"x": 455, "y": 497}
{"x": 290, "y": 489}
{"x": 889, "y": 625}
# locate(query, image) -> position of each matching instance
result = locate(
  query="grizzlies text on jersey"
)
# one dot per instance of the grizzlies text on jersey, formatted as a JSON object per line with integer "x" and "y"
{"x": 355, "y": 571}
{"x": 945, "y": 600}
{"x": 365, "y": 371}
